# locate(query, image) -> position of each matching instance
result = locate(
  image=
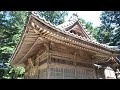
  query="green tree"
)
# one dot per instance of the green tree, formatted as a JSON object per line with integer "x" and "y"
{"x": 11, "y": 26}
{"x": 110, "y": 27}
{"x": 89, "y": 26}
{"x": 55, "y": 17}
{"x": 13, "y": 72}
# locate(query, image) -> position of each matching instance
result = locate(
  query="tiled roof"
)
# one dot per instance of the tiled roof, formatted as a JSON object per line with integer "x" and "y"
{"x": 118, "y": 57}
{"x": 70, "y": 22}
{"x": 73, "y": 19}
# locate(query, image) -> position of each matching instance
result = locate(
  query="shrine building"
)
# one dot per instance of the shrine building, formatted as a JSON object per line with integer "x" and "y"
{"x": 66, "y": 51}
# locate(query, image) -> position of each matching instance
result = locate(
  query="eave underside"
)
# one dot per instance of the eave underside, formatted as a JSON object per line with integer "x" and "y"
{"x": 37, "y": 34}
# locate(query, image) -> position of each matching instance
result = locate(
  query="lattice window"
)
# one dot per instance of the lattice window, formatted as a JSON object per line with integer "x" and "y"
{"x": 80, "y": 74}
{"x": 52, "y": 73}
{"x": 69, "y": 73}
{"x": 59, "y": 73}
{"x": 56, "y": 73}
{"x": 89, "y": 74}
{"x": 84, "y": 74}
{"x": 43, "y": 74}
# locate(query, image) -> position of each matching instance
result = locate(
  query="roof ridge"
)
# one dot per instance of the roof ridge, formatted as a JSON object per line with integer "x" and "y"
{"x": 42, "y": 18}
{"x": 62, "y": 27}
{"x": 87, "y": 32}
{"x": 35, "y": 13}
{"x": 73, "y": 19}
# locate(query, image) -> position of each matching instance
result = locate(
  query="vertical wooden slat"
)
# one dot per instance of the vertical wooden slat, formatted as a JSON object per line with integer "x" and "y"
{"x": 47, "y": 45}
{"x": 75, "y": 64}
{"x": 63, "y": 72}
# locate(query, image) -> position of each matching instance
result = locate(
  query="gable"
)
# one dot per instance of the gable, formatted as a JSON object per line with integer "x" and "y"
{"x": 74, "y": 26}
{"x": 37, "y": 31}
{"x": 77, "y": 29}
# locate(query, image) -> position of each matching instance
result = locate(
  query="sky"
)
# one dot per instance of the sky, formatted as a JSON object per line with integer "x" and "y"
{"x": 88, "y": 16}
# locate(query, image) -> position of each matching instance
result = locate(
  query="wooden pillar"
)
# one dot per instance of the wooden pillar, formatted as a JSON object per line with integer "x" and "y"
{"x": 63, "y": 73}
{"x": 31, "y": 68}
{"x": 94, "y": 67}
{"x": 47, "y": 45}
{"x": 75, "y": 64}
{"x": 96, "y": 74}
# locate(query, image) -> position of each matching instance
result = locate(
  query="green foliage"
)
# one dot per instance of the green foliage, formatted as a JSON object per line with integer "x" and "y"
{"x": 93, "y": 30}
{"x": 12, "y": 24}
{"x": 109, "y": 31}
{"x": 55, "y": 17}
{"x": 1, "y": 73}
{"x": 110, "y": 27}
{"x": 13, "y": 72}
{"x": 11, "y": 27}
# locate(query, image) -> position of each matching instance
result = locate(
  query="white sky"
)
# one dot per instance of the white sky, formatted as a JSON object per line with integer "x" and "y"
{"x": 88, "y": 16}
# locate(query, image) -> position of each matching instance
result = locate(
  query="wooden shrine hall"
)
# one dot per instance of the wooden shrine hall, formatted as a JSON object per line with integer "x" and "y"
{"x": 66, "y": 51}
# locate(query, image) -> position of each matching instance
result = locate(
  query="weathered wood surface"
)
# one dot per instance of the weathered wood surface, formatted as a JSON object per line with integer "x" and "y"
{"x": 54, "y": 53}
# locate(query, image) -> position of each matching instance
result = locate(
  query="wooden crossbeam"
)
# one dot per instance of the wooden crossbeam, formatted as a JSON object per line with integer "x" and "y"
{"x": 39, "y": 38}
{"x": 36, "y": 31}
{"x": 30, "y": 62}
{"x": 28, "y": 51}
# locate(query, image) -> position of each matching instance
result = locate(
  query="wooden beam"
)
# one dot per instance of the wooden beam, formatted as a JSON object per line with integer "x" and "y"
{"x": 36, "y": 31}
{"x": 30, "y": 62}
{"x": 47, "y": 45}
{"x": 40, "y": 56}
{"x": 28, "y": 51}
{"x": 101, "y": 55}
{"x": 20, "y": 43}
{"x": 72, "y": 43}
{"x": 54, "y": 31}
{"x": 103, "y": 60}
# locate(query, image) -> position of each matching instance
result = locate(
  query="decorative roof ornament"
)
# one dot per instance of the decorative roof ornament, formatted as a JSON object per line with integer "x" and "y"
{"x": 74, "y": 17}
{"x": 70, "y": 22}
{"x": 34, "y": 12}
{"x": 62, "y": 27}
{"x": 37, "y": 14}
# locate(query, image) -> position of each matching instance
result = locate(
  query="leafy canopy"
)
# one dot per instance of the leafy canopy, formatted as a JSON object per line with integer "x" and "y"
{"x": 55, "y": 17}
{"x": 11, "y": 26}
{"x": 110, "y": 27}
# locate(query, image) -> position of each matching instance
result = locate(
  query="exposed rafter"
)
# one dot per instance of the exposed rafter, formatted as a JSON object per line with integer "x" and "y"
{"x": 39, "y": 30}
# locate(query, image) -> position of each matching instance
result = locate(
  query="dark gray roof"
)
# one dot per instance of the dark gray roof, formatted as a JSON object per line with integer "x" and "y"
{"x": 118, "y": 57}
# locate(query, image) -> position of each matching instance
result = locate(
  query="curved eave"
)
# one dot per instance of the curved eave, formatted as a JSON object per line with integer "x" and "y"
{"x": 68, "y": 25}
{"x": 21, "y": 41}
{"x": 110, "y": 62}
{"x": 61, "y": 32}
{"x": 96, "y": 44}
